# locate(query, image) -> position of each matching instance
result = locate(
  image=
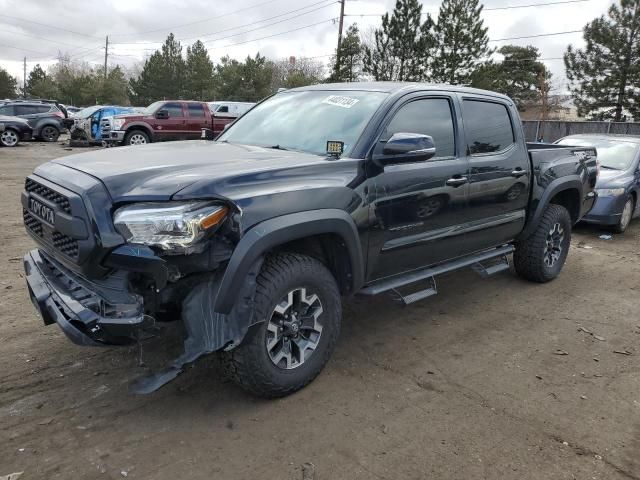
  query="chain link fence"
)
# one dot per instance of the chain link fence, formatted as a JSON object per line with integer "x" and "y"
{"x": 551, "y": 130}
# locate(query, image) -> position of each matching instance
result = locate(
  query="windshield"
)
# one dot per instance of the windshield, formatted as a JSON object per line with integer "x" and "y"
{"x": 87, "y": 112}
{"x": 306, "y": 120}
{"x": 614, "y": 154}
{"x": 151, "y": 109}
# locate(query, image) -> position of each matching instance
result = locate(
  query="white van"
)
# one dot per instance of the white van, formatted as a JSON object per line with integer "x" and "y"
{"x": 229, "y": 109}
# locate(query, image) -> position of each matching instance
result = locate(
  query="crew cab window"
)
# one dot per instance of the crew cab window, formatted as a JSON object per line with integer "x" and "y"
{"x": 223, "y": 109}
{"x": 195, "y": 110}
{"x": 174, "y": 109}
{"x": 487, "y": 126}
{"x": 430, "y": 116}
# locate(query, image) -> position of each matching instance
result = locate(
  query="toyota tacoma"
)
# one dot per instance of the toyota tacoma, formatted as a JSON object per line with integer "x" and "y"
{"x": 317, "y": 193}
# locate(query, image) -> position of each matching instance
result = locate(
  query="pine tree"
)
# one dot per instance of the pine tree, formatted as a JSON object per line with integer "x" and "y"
{"x": 199, "y": 73}
{"x": 247, "y": 81}
{"x": 402, "y": 46}
{"x": 462, "y": 41}
{"x": 36, "y": 75}
{"x": 517, "y": 75}
{"x": 605, "y": 77}
{"x": 351, "y": 56}
{"x": 8, "y": 84}
{"x": 162, "y": 77}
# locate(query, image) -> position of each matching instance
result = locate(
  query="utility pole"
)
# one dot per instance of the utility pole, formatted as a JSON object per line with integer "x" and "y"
{"x": 24, "y": 78}
{"x": 106, "y": 55}
{"x": 340, "y": 34}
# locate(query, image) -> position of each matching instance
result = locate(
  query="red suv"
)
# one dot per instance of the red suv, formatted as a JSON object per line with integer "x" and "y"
{"x": 161, "y": 121}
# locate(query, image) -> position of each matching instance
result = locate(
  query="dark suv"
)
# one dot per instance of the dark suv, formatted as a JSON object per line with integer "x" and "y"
{"x": 45, "y": 118}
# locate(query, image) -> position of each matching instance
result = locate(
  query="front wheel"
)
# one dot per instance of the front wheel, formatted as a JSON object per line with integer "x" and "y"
{"x": 541, "y": 256}
{"x": 298, "y": 301}
{"x": 136, "y": 137}
{"x": 625, "y": 218}
{"x": 9, "y": 138}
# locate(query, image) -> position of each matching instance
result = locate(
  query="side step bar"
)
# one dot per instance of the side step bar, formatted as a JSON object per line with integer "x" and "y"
{"x": 474, "y": 261}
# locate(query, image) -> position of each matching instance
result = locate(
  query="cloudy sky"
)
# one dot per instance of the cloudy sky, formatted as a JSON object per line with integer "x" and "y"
{"x": 40, "y": 30}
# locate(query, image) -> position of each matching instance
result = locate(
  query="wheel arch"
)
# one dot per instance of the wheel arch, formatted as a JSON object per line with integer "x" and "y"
{"x": 140, "y": 126}
{"x": 330, "y": 235}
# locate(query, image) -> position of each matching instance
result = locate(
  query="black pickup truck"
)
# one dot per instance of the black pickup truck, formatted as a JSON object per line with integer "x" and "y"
{"x": 316, "y": 193}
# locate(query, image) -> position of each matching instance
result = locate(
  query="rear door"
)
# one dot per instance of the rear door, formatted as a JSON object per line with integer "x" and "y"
{"x": 196, "y": 120}
{"x": 499, "y": 172}
{"x": 415, "y": 207}
{"x": 7, "y": 110}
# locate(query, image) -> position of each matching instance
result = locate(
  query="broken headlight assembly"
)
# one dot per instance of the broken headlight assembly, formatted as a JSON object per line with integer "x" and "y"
{"x": 169, "y": 226}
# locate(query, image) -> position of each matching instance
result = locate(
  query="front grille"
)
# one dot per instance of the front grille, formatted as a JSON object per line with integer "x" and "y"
{"x": 32, "y": 223}
{"x": 66, "y": 245}
{"x": 32, "y": 186}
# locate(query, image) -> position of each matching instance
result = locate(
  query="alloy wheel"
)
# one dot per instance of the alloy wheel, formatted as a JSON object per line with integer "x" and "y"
{"x": 293, "y": 331}
{"x": 50, "y": 134}
{"x": 137, "y": 139}
{"x": 625, "y": 219}
{"x": 9, "y": 138}
{"x": 553, "y": 245}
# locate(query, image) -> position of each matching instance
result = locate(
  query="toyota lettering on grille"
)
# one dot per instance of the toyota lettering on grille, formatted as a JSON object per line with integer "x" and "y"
{"x": 42, "y": 211}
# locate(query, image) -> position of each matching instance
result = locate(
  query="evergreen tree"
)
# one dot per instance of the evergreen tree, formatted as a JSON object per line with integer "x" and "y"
{"x": 199, "y": 73}
{"x": 296, "y": 72}
{"x": 462, "y": 41}
{"x": 37, "y": 81}
{"x": 351, "y": 56}
{"x": 113, "y": 89}
{"x": 248, "y": 81}
{"x": 402, "y": 47}
{"x": 8, "y": 84}
{"x": 605, "y": 76}
{"x": 162, "y": 77}
{"x": 517, "y": 75}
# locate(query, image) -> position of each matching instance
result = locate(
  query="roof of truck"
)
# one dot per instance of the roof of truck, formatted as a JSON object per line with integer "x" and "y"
{"x": 393, "y": 87}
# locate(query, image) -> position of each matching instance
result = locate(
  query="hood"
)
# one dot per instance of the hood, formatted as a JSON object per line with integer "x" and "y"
{"x": 159, "y": 170}
{"x": 613, "y": 178}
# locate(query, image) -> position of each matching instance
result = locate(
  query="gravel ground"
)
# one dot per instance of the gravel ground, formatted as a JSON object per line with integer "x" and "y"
{"x": 489, "y": 379}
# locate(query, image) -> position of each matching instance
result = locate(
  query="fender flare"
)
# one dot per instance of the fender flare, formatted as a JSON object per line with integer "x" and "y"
{"x": 279, "y": 230}
{"x": 140, "y": 126}
{"x": 558, "y": 185}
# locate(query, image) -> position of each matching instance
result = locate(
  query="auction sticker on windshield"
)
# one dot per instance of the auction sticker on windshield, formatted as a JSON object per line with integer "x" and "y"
{"x": 340, "y": 101}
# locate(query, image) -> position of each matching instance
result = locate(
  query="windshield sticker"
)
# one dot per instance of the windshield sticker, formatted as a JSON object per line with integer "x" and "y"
{"x": 339, "y": 101}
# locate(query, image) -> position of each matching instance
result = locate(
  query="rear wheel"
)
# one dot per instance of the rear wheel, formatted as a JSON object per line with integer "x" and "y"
{"x": 136, "y": 137}
{"x": 541, "y": 256}
{"x": 298, "y": 300}
{"x": 625, "y": 218}
{"x": 49, "y": 133}
{"x": 9, "y": 138}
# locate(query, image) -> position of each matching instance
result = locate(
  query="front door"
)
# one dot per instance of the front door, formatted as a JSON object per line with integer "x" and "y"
{"x": 499, "y": 172}
{"x": 174, "y": 127}
{"x": 415, "y": 207}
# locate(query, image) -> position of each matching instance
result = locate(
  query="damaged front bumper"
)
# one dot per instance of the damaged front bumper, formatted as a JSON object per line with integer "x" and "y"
{"x": 87, "y": 312}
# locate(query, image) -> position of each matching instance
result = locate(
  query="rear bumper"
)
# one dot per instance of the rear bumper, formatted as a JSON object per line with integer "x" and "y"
{"x": 62, "y": 297}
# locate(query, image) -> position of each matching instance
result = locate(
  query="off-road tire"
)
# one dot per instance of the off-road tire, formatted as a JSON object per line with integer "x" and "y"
{"x": 529, "y": 256}
{"x": 623, "y": 224}
{"x": 127, "y": 137}
{"x": 249, "y": 365}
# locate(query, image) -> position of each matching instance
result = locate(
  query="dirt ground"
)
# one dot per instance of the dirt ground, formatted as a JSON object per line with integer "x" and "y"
{"x": 489, "y": 379}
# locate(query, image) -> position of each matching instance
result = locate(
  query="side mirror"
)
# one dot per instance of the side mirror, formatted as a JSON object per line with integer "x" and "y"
{"x": 162, "y": 114}
{"x": 408, "y": 147}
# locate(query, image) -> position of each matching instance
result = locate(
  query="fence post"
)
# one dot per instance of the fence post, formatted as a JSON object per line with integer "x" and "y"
{"x": 537, "y": 131}
{"x": 609, "y": 127}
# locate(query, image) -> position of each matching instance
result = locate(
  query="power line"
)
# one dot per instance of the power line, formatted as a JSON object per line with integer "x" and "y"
{"x": 48, "y": 26}
{"x": 196, "y": 22}
{"x": 536, "y": 36}
{"x": 277, "y": 34}
{"x": 37, "y": 36}
{"x": 507, "y": 7}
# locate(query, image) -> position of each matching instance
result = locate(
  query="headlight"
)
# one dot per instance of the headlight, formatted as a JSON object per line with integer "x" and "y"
{"x": 117, "y": 123}
{"x": 168, "y": 225}
{"x": 610, "y": 192}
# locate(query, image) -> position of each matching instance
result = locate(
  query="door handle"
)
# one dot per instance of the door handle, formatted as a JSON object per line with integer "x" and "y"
{"x": 518, "y": 172}
{"x": 457, "y": 181}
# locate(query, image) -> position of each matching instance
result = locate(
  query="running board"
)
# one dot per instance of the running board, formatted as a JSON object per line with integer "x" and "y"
{"x": 487, "y": 270}
{"x": 476, "y": 260}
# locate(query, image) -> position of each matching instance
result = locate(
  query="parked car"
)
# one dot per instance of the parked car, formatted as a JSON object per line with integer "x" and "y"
{"x": 165, "y": 120}
{"x": 13, "y": 130}
{"x": 252, "y": 239}
{"x": 618, "y": 186}
{"x": 44, "y": 118}
{"x": 92, "y": 124}
{"x": 71, "y": 110}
